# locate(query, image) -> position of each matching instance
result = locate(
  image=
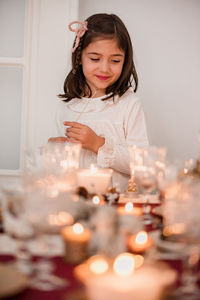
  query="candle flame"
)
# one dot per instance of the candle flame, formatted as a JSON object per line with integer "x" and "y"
{"x": 78, "y": 228}
{"x": 129, "y": 207}
{"x": 124, "y": 264}
{"x": 141, "y": 237}
{"x": 96, "y": 200}
{"x": 98, "y": 265}
{"x": 93, "y": 169}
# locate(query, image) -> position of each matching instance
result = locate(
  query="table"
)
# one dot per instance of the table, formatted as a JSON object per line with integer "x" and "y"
{"x": 62, "y": 269}
{"x": 65, "y": 270}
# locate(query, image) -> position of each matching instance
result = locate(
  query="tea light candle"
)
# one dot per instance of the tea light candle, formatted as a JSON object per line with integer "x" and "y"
{"x": 76, "y": 240}
{"x": 140, "y": 242}
{"x": 98, "y": 264}
{"x": 98, "y": 200}
{"x": 94, "y": 180}
{"x": 129, "y": 209}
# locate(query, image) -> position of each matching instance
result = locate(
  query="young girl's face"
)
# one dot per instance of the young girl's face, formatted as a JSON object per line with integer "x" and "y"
{"x": 102, "y": 63}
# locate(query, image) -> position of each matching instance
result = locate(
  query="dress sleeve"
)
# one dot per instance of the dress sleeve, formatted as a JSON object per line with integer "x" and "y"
{"x": 116, "y": 155}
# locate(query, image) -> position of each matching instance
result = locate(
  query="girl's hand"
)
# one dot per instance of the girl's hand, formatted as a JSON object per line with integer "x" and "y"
{"x": 79, "y": 133}
{"x": 57, "y": 139}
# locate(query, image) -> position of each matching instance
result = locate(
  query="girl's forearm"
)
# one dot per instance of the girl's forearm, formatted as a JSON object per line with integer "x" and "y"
{"x": 100, "y": 141}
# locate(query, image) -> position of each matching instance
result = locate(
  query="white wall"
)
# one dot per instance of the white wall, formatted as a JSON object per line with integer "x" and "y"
{"x": 166, "y": 40}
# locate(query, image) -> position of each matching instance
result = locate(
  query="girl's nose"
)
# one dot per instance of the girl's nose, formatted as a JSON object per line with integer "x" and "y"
{"x": 104, "y": 66}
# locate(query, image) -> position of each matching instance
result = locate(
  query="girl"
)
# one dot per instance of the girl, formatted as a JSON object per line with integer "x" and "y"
{"x": 99, "y": 108}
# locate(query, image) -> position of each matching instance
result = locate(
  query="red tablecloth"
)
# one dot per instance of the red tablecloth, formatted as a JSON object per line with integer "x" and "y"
{"x": 65, "y": 271}
{"x": 62, "y": 270}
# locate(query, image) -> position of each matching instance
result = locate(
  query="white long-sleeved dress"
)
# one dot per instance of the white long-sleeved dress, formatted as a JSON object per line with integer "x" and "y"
{"x": 121, "y": 122}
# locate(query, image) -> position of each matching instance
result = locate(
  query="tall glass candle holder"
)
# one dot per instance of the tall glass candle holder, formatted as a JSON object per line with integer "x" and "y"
{"x": 146, "y": 166}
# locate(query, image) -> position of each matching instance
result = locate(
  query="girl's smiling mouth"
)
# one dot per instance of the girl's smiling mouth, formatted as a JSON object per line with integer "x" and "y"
{"x": 100, "y": 77}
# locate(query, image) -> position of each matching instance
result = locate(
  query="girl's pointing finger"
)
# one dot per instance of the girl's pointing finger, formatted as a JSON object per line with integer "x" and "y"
{"x": 73, "y": 124}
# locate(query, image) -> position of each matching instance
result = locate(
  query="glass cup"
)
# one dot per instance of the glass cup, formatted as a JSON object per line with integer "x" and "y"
{"x": 15, "y": 224}
{"x": 56, "y": 162}
{"x": 147, "y": 164}
{"x": 182, "y": 224}
{"x": 46, "y": 213}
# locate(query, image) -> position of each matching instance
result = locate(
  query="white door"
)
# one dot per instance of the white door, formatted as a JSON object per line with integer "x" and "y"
{"x": 35, "y": 47}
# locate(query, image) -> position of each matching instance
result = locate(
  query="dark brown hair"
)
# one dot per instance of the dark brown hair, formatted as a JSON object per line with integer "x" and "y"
{"x": 101, "y": 26}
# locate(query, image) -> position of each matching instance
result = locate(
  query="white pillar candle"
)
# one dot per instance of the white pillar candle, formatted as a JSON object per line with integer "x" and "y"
{"x": 122, "y": 281}
{"x": 95, "y": 180}
{"x": 76, "y": 239}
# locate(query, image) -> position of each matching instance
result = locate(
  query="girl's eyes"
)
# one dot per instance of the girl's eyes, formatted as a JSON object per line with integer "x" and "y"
{"x": 115, "y": 61}
{"x": 97, "y": 59}
{"x": 94, "y": 59}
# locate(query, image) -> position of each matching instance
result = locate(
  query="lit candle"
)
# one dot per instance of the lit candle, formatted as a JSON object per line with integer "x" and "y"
{"x": 124, "y": 264}
{"x": 76, "y": 240}
{"x": 121, "y": 279}
{"x": 129, "y": 209}
{"x": 94, "y": 180}
{"x": 98, "y": 264}
{"x": 139, "y": 242}
{"x": 98, "y": 200}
